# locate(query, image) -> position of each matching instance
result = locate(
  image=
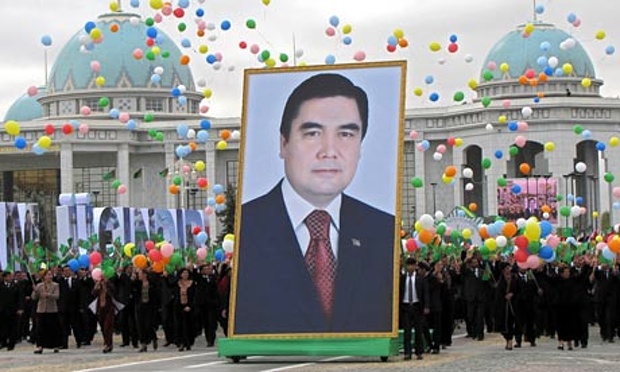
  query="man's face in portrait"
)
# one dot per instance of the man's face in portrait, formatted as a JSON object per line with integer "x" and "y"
{"x": 323, "y": 148}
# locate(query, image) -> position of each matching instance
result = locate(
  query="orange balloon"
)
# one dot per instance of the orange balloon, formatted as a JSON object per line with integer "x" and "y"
{"x": 139, "y": 261}
{"x": 225, "y": 134}
{"x": 484, "y": 234}
{"x": 200, "y": 33}
{"x": 184, "y": 59}
{"x": 525, "y": 168}
{"x": 220, "y": 199}
{"x": 509, "y": 229}
{"x": 165, "y": 261}
{"x": 193, "y": 146}
{"x": 522, "y": 80}
{"x": 403, "y": 233}
{"x": 425, "y": 236}
{"x": 542, "y": 77}
{"x": 158, "y": 267}
{"x": 473, "y": 207}
{"x": 173, "y": 189}
{"x": 450, "y": 171}
{"x": 614, "y": 244}
{"x": 545, "y": 209}
{"x": 533, "y": 82}
{"x": 403, "y": 43}
{"x": 114, "y": 27}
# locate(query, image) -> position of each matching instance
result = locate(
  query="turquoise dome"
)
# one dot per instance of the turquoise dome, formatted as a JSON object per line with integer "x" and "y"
{"x": 72, "y": 68}
{"x": 523, "y": 53}
{"x": 26, "y": 107}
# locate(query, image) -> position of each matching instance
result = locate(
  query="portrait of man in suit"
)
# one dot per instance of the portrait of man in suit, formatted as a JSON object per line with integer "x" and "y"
{"x": 311, "y": 258}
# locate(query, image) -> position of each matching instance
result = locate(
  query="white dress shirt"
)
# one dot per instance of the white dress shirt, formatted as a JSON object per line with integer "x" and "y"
{"x": 298, "y": 209}
{"x": 406, "y": 298}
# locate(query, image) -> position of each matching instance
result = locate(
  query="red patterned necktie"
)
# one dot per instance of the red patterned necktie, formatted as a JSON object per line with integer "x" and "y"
{"x": 320, "y": 258}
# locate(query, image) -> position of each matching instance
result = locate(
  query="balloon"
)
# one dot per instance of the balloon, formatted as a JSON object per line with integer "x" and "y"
{"x": 96, "y": 274}
{"x": 12, "y": 127}
{"x": 95, "y": 258}
{"x": 533, "y": 262}
{"x": 600, "y": 35}
{"x": 155, "y": 255}
{"x": 140, "y": 261}
{"x": 580, "y": 167}
{"x": 427, "y": 221}
{"x": 128, "y": 249}
{"x": 167, "y": 250}
{"x": 74, "y": 265}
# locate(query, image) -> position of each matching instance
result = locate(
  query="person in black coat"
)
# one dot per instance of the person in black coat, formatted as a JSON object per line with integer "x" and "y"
{"x": 125, "y": 319}
{"x": 448, "y": 294}
{"x": 26, "y": 286}
{"x": 506, "y": 291}
{"x": 605, "y": 278}
{"x": 223, "y": 290}
{"x": 414, "y": 298}
{"x": 88, "y": 320}
{"x": 581, "y": 273}
{"x": 146, "y": 297}
{"x": 567, "y": 300}
{"x": 207, "y": 302}
{"x": 474, "y": 291}
{"x": 11, "y": 308}
{"x": 68, "y": 307}
{"x": 525, "y": 303}
{"x": 184, "y": 306}
{"x": 434, "y": 280}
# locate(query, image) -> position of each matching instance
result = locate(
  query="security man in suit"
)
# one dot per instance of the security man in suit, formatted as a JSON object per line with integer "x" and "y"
{"x": 11, "y": 308}
{"x": 68, "y": 307}
{"x": 414, "y": 299}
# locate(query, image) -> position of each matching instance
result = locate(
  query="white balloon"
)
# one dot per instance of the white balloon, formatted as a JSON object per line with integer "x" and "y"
{"x": 439, "y": 215}
{"x": 521, "y": 223}
{"x": 231, "y": 68}
{"x": 427, "y": 221}
{"x": 570, "y": 43}
{"x": 501, "y": 241}
{"x": 441, "y": 61}
{"x": 469, "y": 186}
{"x": 217, "y": 66}
{"x": 201, "y": 83}
{"x": 210, "y": 26}
{"x": 575, "y": 211}
{"x": 228, "y": 246}
{"x": 182, "y": 88}
{"x": 235, "y": 135}
{"x": 553, "y": 62}
{"x": 468, "y": 173}
{"x": 191, "y": 134}
{"x": 526, "y": 112}
{"x": 546, "y": 215}
{"x": 158, "y": 70}
{"x": 489, "y": 127}
{"x": 581, "y": 167}
{"x": 437, "y": 156}
{"x": 212, "y": 37}
{"x": 134, "y": 21}
{"x": 469, "y": 58}
{"x": 299, "y": 53}
{"x": 84, "y": 39}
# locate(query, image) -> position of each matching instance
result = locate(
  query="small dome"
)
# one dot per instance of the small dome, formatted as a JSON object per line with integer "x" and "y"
{"x": 26, "y": 107}
{"x": 522, "y": 53}
{"x": 72, "y": 69}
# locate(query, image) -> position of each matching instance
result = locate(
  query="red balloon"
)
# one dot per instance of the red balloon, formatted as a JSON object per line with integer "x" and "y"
{"x": 411, "y": 245}
{"x": 150, "y": 42}
{"x": 521, "y": 255}
{"x": 451, "y": 141}
{"x": 391, "y": 48}
{"x": 149, "y": 245}
{"x": 452, "y": 48}
{"x": 521, "y": 242}
{"x": 179, "y": 12}
{"x": 49, "y": 129}
{"x": 95, "y": 258}
{"x": 155, "y": 255}
{"x": 243, "y": 44}
{"x": 202, "y": 183}
{"x": 67, "y": 128}
{"x": 196, "y": 230}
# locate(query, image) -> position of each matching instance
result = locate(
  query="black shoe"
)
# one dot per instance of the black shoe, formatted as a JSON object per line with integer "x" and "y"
{"x": 533, "y": 344}
{"x": 9, "y": 348}
{"x": 435, "y": 351}
{"x": 210, "y": 344}
{"x": 427, "y": 350}
{"x": 78, "y": 345}
{"x": 181, "y": 349}
{"x": 407, "y": 357}
{"x": 39, "y": 351}
{"x": 518, "y": 345}
{"x": 584, "y": 346}
{"x": 55, "y": 350}
{"x": 168, "y": 343}
{"x": 188, "y": 348}
{"x": 155, "y": 344}
{"x": 570, "y": 348}
{"x": 64, "y": 347}
{"x": 124, "y": 345}
{"x": 611, "y": 341}
{"x": 87, "y": 343}
{"x": 418, "y": 357}
{"x": 561, "y": 347}
{"x": 576, "y": 343}
{"x": 142, "y": 349}
{"x": 480, "y": 338}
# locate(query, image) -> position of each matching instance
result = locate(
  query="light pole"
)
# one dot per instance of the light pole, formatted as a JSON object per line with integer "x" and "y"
{"x": 434, "y": 184}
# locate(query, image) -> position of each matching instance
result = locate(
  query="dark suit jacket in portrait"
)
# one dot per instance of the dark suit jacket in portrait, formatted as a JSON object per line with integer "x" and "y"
{"x": 275, "y": 293}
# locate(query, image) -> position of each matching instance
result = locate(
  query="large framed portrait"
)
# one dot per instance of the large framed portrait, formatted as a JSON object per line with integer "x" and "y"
{"x": 317, "y": 229}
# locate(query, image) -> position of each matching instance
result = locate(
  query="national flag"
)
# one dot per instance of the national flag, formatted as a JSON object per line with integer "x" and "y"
{"x": 138, "y": 173}
{"x": 163, "y": 173}
{"x": 110, "y": 175}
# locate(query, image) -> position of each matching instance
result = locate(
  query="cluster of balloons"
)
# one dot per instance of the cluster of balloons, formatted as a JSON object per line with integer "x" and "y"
{"x": 159, "y": 256}
{"x": 397, "y": 40}
{"x": 216, "y": 203}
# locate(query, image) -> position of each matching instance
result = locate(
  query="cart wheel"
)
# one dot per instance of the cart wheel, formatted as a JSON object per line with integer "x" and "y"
{"x": 384, "y": 359}
{"x": 235, "y": 359}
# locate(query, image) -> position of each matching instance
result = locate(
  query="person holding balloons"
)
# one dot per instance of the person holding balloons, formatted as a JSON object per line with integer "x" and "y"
{"x": 105, "y": 308}
{"x": 146, "y": 302}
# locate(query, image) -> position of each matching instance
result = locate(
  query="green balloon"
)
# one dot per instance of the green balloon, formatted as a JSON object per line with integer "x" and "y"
{"x": 177, "y": 180}
{"x": 150, "y": 55}
{"x": 149, "y": 21}
{"x": 165, "y": 54}
{"x": 459, "y": 96}
{"x": 534, "y": 247}
{"x": 609, "y": 178}
{"x": 578, "y": 129}
{"x": 486, "y": 101}
{"x": 104, "y": 101}
{"x": 501, "y": 182}
{"x": 181, "y": 27}
{"x": 283, "y": 57}
{"x": 108, "y": 272}
{"x": 176, "y": 259}
{"x": 417, "y": 182}
{"x": 116, "y": 184}
{"x": 455, "y": 234}
{"x": 487, "y": 75}
{"x": 250, "y": 23}
{"x": 565, "y": 211}
{"x": 484, "y": 251}
{"x": 148, "y": 117}
{"x": 160, "y": 137}
{"x": 441, "y": 229}
{"x": 486, "y": 163}
{"x": 513, "y": 151}
{"x": 152, "y": 132}
{"x": 265, "y": 55}
{"x": 559, "y": 197}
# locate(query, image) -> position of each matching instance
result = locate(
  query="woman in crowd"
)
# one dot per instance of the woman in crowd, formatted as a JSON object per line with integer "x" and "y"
{"x": 505, "y": 316}
{"x": 566, "y": 302}
{"x": 104, "y": 293}
{"x": 146, "y": 297}
{"x": 48, "y": 328}
{"x": 185, "y": 290}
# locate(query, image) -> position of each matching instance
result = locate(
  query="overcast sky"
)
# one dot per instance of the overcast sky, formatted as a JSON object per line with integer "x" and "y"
{"x": 478, "y": 24}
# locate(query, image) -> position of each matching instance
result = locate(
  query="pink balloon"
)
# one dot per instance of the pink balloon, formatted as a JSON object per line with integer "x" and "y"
{"x": 166, "y": 10}
{"x": 95, "y": 258}
{"x": 616, "y": 192}
{"x": 359, "y": 56}
{"x": 32, "y": 91}
{"x": 96, "y": 274}
{"x": 506, "y": 103}
{"x": 204, "y": 109}
{"x": 419, "y": 147}
{"x": 523, "y": 265}
{"x": 553, "y": 241}
{"x": 441, "y": 149}
{"x": 138, "y": 53}
{"x": 209, "y": 210}
{"x": 600, "y": 246}
{"x": 218, "y": 57}
{"x": 158, "y": 18}
{"x": 533, "y": 262}
{"x": 492, "y": 65}
{"x": 577, "y": 22}
{"x": 95, "y": 66}
{"x": 254, "y": 49}
{"x": 520, "y": 141}
{"x": 186, "y": 169}
{"x": 201, "y": 253}
{"x": 123, "y": 117}
{"x": 166, "y": 250}
{"x": 98, "y": 40}
{"x": 122, "y": 189}
{"x": 413, "y": 134}
{"x": 202, "y": 25}
{"x": 83, "y": 128}
{"x": 85, "y": 110}
{"x": 330, "y": 31}
{"x": 522, "y": 126}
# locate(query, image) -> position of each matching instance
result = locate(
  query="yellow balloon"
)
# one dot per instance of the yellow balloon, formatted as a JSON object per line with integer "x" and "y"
{"x": 418, "y": 91}
{"x": 586, "y": 82}
{"x": 532, "y": 231}
{"x": 458, "y": 142}
{"x": 12, "y": 127}
{"x": 491, "y": 243}
{"x": 504, "y": 67}
{"x": 399, "y": 33}
{"x": 418, "y": 226}
{"x": 594, "y": 214}
{"x": 599, "y": 238}
{"x": 155, "y": 50}
{"x": 466, "y": 233}
{"x": 229, "y": 237}
{"x": 266, "y": 2}
{"x": 200, "y": 166}
{"x": 221, "y": 145}
{"x": 95, "y": 33}
{"x": 114, "y": 6}
{"x": 549, "y": 146}
{"x": 435, "y": 46}
{"x": 614, "y": 141}
{"x": 128, "y": 249}
{"x": 207, "y": 93}
{"x": 600, "y": 35}
{"x": 100, "y": 81}
{"x": 472, "y": 84}
{"x": 44, "y": 142}
{"x": 156, "y": 4}
{"x": 303, "y": 64}
{"x": 447, "y": 180}
{"x": 203, "y": 49}
{"x": 346, "y": 29}
{"x": 567, "y": 68}
{"x": 529, "y": 28}
{"x": 502, "y": 119}
{"x": 270, "y": 62}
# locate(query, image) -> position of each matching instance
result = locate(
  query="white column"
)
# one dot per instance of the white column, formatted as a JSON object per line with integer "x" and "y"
{"x": 66, "y": 168}
{"x": 122, "y": 172}
{"x": 210, "y": 172}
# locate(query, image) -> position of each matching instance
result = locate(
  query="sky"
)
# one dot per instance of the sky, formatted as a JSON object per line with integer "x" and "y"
{"x": 298, "y": 27}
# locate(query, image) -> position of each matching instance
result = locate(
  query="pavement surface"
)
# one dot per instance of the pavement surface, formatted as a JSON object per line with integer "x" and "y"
{"x": 464, "y": 355}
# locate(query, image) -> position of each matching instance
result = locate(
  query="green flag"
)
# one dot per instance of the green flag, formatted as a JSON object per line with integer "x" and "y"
{"x": 138, "y": 173}
{"x": 110, "y": 175}
{"x": 163, "y": 173}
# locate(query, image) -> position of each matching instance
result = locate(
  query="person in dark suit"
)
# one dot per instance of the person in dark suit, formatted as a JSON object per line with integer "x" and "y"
{"x": 207, "y": 302}
{"x": 68, "y": 307}
{"x": 414, "y": 299}
{"x": 475, "y": 290}
{"x": 306, "y": 248}
{"x": 11, "y": 308}
{"x": 125, "y": 319}
{"x": 606, "y": 279}
{"x": 435, "y": 280}
{"x": 88, "y": 320}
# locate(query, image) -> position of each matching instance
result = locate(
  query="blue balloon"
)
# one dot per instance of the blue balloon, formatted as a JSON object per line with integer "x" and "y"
{"x": 160, "y": 39}
{"x": 545, "y": 252}
{"x": 114, "y": 113}
{"x": 20, "y": 142}
{"x": 429, "y": 79}
{"x": 131, "y": 124}
{"x": 180, "y": 151}
{"x": 498, "y": 154}
{"x": 608, "y": 254}
{"x": 616, "y": 205}
{"x": 202, "y": 136}
{"x": 516, "y": 189}
{"x": 47, "y": 40}
{"x": 546, "y": 228}
{"x": 600, "y": 146}
{"x": 434, "y": 97}
{"x": 75, "y": 124}
{"x": 513, "y": 126}
{"x": 225, "y": 25}
{"x": 572, "y": 17}
{"x": 334, "y": 21}
{"x": 185, "y": 43}
{"x": 89, "y": 46}
{"x": 74, "y": 265}
{"x": 542, "y": 61}
{"x": 570, "y": 198}
{"x": 175, "y": 92}
{"x": 183, "y": 4}
{"x": 220, "y": 208}
{"x": 201, "y": 238}
{"x": 135, "y": 3}
{"x": 218, "y": 189}
{"x": 586, "y": 134}
{"x": 211, "y": 202}
{"x": 84, "y": 261}
{"x": 205, "y": 124}
{"x": 540, "y": 9}
{"x": 89, "y": 26}
{"x": 453, "y": 38}
{"x": 347, "y": 40}
{"x": 330, "y": 59}
{"x": 536, "y": 100}
{"x": 220, "y": 255}
{"x": 211, "y": 59}
{"x": 559, "y": 72}
{"x": 392, "y": 40}
{"x": 610, "y": 50}
{"x": 200, "y": 12}
{"x": 545, "y": 46}
{"x": 425, "y": 144}
{"x": 571, "y": 240}
{"x": 155, "y": 79}
{"x": 151, "y": 32}
{"x": 38, "y": 150}
{"x": 549, "y": 71}
{"x": 182, "y": 100}
{"x": 579, "y": 200}
{"x": 182, "y": 130}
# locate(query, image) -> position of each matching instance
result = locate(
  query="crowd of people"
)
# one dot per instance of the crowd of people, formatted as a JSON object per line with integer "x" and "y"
{"x": 556, "y": 300}
{"x": 52, "y": 306}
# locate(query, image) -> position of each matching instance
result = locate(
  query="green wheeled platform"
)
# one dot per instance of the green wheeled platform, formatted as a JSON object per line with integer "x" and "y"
{"x": 238, "y": 348}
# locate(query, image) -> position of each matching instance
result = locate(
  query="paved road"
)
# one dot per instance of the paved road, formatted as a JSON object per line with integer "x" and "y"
{"x": 464, "y": 355}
